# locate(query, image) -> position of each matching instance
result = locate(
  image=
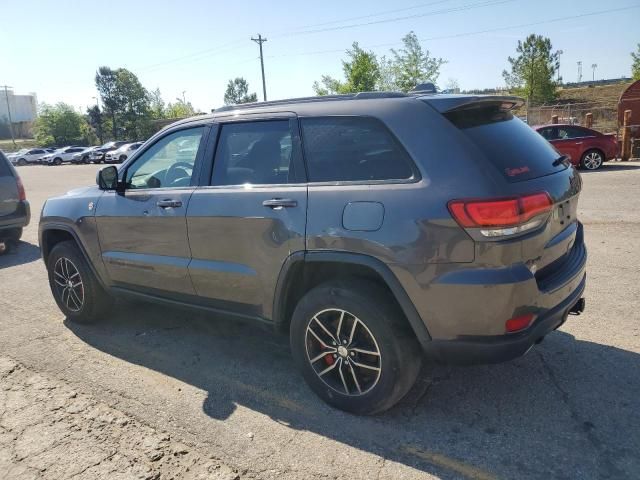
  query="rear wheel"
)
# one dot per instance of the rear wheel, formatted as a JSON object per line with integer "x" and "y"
{"x": 353, "y": 346}
{"x": 74, "y": 286}
{"x": 592, "y": 160}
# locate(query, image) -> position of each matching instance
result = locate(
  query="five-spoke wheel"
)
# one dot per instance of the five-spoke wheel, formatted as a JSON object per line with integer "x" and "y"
{"x": 69, "y": 286}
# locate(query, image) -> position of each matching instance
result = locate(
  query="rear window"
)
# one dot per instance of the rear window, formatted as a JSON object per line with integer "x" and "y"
{"x": 511, "y": 145}
{"x": 353, "y": 149}
{"x": 5, "y": 170}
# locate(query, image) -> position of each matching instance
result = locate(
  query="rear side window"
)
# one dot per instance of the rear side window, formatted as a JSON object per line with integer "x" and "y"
{"x": 5, "y": 170}
{"x": 353, "y": 149}
{"x": 515, "y": 149}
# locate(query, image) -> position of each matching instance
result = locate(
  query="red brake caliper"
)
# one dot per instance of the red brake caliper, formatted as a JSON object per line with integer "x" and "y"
{"x": 328, "y": 359}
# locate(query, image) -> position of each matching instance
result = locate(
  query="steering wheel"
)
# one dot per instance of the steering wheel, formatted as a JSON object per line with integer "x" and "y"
{"x": 177, "y": 171}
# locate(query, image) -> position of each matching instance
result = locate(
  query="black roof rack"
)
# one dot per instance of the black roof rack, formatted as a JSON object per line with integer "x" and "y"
{"x": 323, "y": 98}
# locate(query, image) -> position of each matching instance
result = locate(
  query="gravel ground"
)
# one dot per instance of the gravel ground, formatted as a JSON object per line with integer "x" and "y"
{"x": 154, "y": 381}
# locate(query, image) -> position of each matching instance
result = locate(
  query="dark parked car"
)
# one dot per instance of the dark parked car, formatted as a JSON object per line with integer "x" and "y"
{"x": 98, "y": 155}
{"x": 373, "y": 228}
{"x": 14, "y": 208}
{"x": 585, "y": 147}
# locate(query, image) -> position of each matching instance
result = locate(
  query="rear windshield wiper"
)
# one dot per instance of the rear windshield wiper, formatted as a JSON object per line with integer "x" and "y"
{"x": 559, "y": 160}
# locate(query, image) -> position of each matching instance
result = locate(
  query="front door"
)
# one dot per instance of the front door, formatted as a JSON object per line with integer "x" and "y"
{"x": 252, "y": 216}
{"x": 143, "y": 230}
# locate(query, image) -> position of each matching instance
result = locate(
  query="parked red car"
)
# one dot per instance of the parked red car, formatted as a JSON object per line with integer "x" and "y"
{"x": 585, "y": 147}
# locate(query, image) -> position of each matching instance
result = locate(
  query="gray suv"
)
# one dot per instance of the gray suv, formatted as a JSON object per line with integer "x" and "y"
{"x": 375, "y": 228}
{"x": 14, "y": 207}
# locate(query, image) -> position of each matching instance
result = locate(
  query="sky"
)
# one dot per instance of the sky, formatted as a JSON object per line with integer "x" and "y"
{"x": 193, "y": 47}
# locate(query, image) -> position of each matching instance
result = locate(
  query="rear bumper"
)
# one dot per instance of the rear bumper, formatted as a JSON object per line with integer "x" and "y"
{"x": 479, "y": 349}
{"x": 19, "y": 219}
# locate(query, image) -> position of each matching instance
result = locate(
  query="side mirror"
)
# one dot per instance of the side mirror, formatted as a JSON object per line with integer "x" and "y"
{"x": 107, "y": 178}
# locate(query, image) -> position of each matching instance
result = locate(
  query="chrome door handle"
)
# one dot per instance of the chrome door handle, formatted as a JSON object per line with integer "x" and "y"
{"x": 168, "y": 203}
{"x": 279, "y": 203}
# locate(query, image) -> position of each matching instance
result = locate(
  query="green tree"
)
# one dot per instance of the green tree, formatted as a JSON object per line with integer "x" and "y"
{"x": 107, "y": 85}
{"x": 157, "y": 106}
{"x": 95, "y": 120}
{"x": 411, "y": 65}
{"x": 238, "y": 92}
{"x": 361, "y": 72}
{"x": 179, "y": 109}
{"x": 635, "y": 66}
{"x": 62, "y": 125}
{"x": 533, "y": 70}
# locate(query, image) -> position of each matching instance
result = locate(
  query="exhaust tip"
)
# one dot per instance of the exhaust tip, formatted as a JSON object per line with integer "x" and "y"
{"x": 578, "y": 308}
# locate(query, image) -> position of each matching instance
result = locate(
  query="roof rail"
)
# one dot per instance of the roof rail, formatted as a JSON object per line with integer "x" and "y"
{"x": 321, "y": 98}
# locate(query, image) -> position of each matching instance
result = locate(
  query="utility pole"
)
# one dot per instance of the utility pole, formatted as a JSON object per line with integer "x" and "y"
{"x": 6, "y": 95}
{"x": 579, "y": 72}
{"x": 260, "y": 41}
{"x": 560, "y": 52}
{"x": 183, "y": 97}
{"x": 593, "y": 67}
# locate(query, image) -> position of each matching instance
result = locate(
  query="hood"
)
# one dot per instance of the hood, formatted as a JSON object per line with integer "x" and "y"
{"x": 76, "y": 192}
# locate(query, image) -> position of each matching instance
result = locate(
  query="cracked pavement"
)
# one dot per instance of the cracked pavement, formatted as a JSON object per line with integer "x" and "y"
{"x": 126, "y": 398}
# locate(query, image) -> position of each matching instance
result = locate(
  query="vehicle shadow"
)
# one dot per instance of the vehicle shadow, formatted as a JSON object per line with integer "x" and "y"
{"x": 568, "y": 409}
{"x": 18, "y": 254}
{"x": 612, "y": 167}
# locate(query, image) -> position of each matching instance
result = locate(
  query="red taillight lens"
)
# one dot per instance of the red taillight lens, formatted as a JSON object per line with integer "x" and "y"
{"x": 500, "y": 212}
{"x": 516, "y": 324}
{"x": 21, "y": 193}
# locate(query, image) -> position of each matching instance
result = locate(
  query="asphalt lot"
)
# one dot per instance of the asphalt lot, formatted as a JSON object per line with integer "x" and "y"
{"x": 568, "y": 409}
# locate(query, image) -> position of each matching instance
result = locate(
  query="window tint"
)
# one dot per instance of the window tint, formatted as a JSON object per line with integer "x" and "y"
{"x": 549, "y": 133}
{"x": 168, "y": 162}
{"x": 5, "y": 171}
{"x": 347, "y": 149}
{"x": 507, "y": 142}
{"x": 565, "y": 133}
{"x": 37, "y": 152}
{"x": 259, "y": 153}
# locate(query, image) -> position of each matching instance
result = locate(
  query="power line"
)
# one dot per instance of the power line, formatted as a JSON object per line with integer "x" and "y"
{"x": 260, "y": 41}
{"x": 465, "y": 34}
{"x": 360, "y": 17}
{"x": 398, "y": 19}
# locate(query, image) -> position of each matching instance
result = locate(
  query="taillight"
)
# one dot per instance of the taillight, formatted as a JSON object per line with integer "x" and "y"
{"x": 503, "y": 216}
{"x": 518, "y": 323}
{"x": 21, "y": 193}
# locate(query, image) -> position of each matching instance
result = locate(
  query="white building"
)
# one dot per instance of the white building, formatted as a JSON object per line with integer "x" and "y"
{"x": 23, "y": 107}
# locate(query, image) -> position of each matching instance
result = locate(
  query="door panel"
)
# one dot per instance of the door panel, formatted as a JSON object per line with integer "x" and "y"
{"x": 143, "y": 229}
{"x": 244, "y": 226}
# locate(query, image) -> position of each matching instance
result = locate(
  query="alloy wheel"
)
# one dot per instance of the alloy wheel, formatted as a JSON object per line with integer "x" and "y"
{"x": 592, "y": 160}
{"x": 69, "y": 286}
{"x": 343, "y": 352}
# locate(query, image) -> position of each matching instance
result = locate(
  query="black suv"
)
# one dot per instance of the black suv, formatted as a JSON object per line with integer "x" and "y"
{"x": 371, "y": 227}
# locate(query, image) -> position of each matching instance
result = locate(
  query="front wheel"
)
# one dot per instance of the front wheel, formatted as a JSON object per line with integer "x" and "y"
{"x": 353, "y": 346}
{"x": 57, "y": 161}
{"x": 75, "y": 288}
{"x": 22, "y": 162}
{"x": 592, "y": 160}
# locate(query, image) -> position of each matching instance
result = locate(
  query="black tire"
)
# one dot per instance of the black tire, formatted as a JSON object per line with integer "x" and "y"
{"x": 85, "y": 159}
{"x": 57, "y": 161}
{"x": 122, "y": 158}
{"x": 94, "y": 302}
{"x": 592, "y": 159}
{"x": 22, "y": 162}
{"x": 15, "y": 235}
{"x": 399, "y": 356}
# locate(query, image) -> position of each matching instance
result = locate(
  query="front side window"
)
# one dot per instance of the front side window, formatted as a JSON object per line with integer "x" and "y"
{"x": 167, "y": 163}
{"x": 353, "y": 149}
{"x": 257, "y": 153}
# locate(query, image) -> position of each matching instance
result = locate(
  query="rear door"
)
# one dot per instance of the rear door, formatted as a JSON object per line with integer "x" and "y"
{"x": 250, "y": 217}
{"x": 8, "y": 188}
{"x": 143, "y": 230}
{"x": 570, "y": 141}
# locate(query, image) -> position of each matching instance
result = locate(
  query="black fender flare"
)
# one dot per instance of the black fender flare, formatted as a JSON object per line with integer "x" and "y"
{"x": 300, "y": 259}
{"x": 76, "y": 238}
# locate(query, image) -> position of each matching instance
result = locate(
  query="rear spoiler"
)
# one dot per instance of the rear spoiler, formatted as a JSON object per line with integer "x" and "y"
{"x": 454, "y": 103}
